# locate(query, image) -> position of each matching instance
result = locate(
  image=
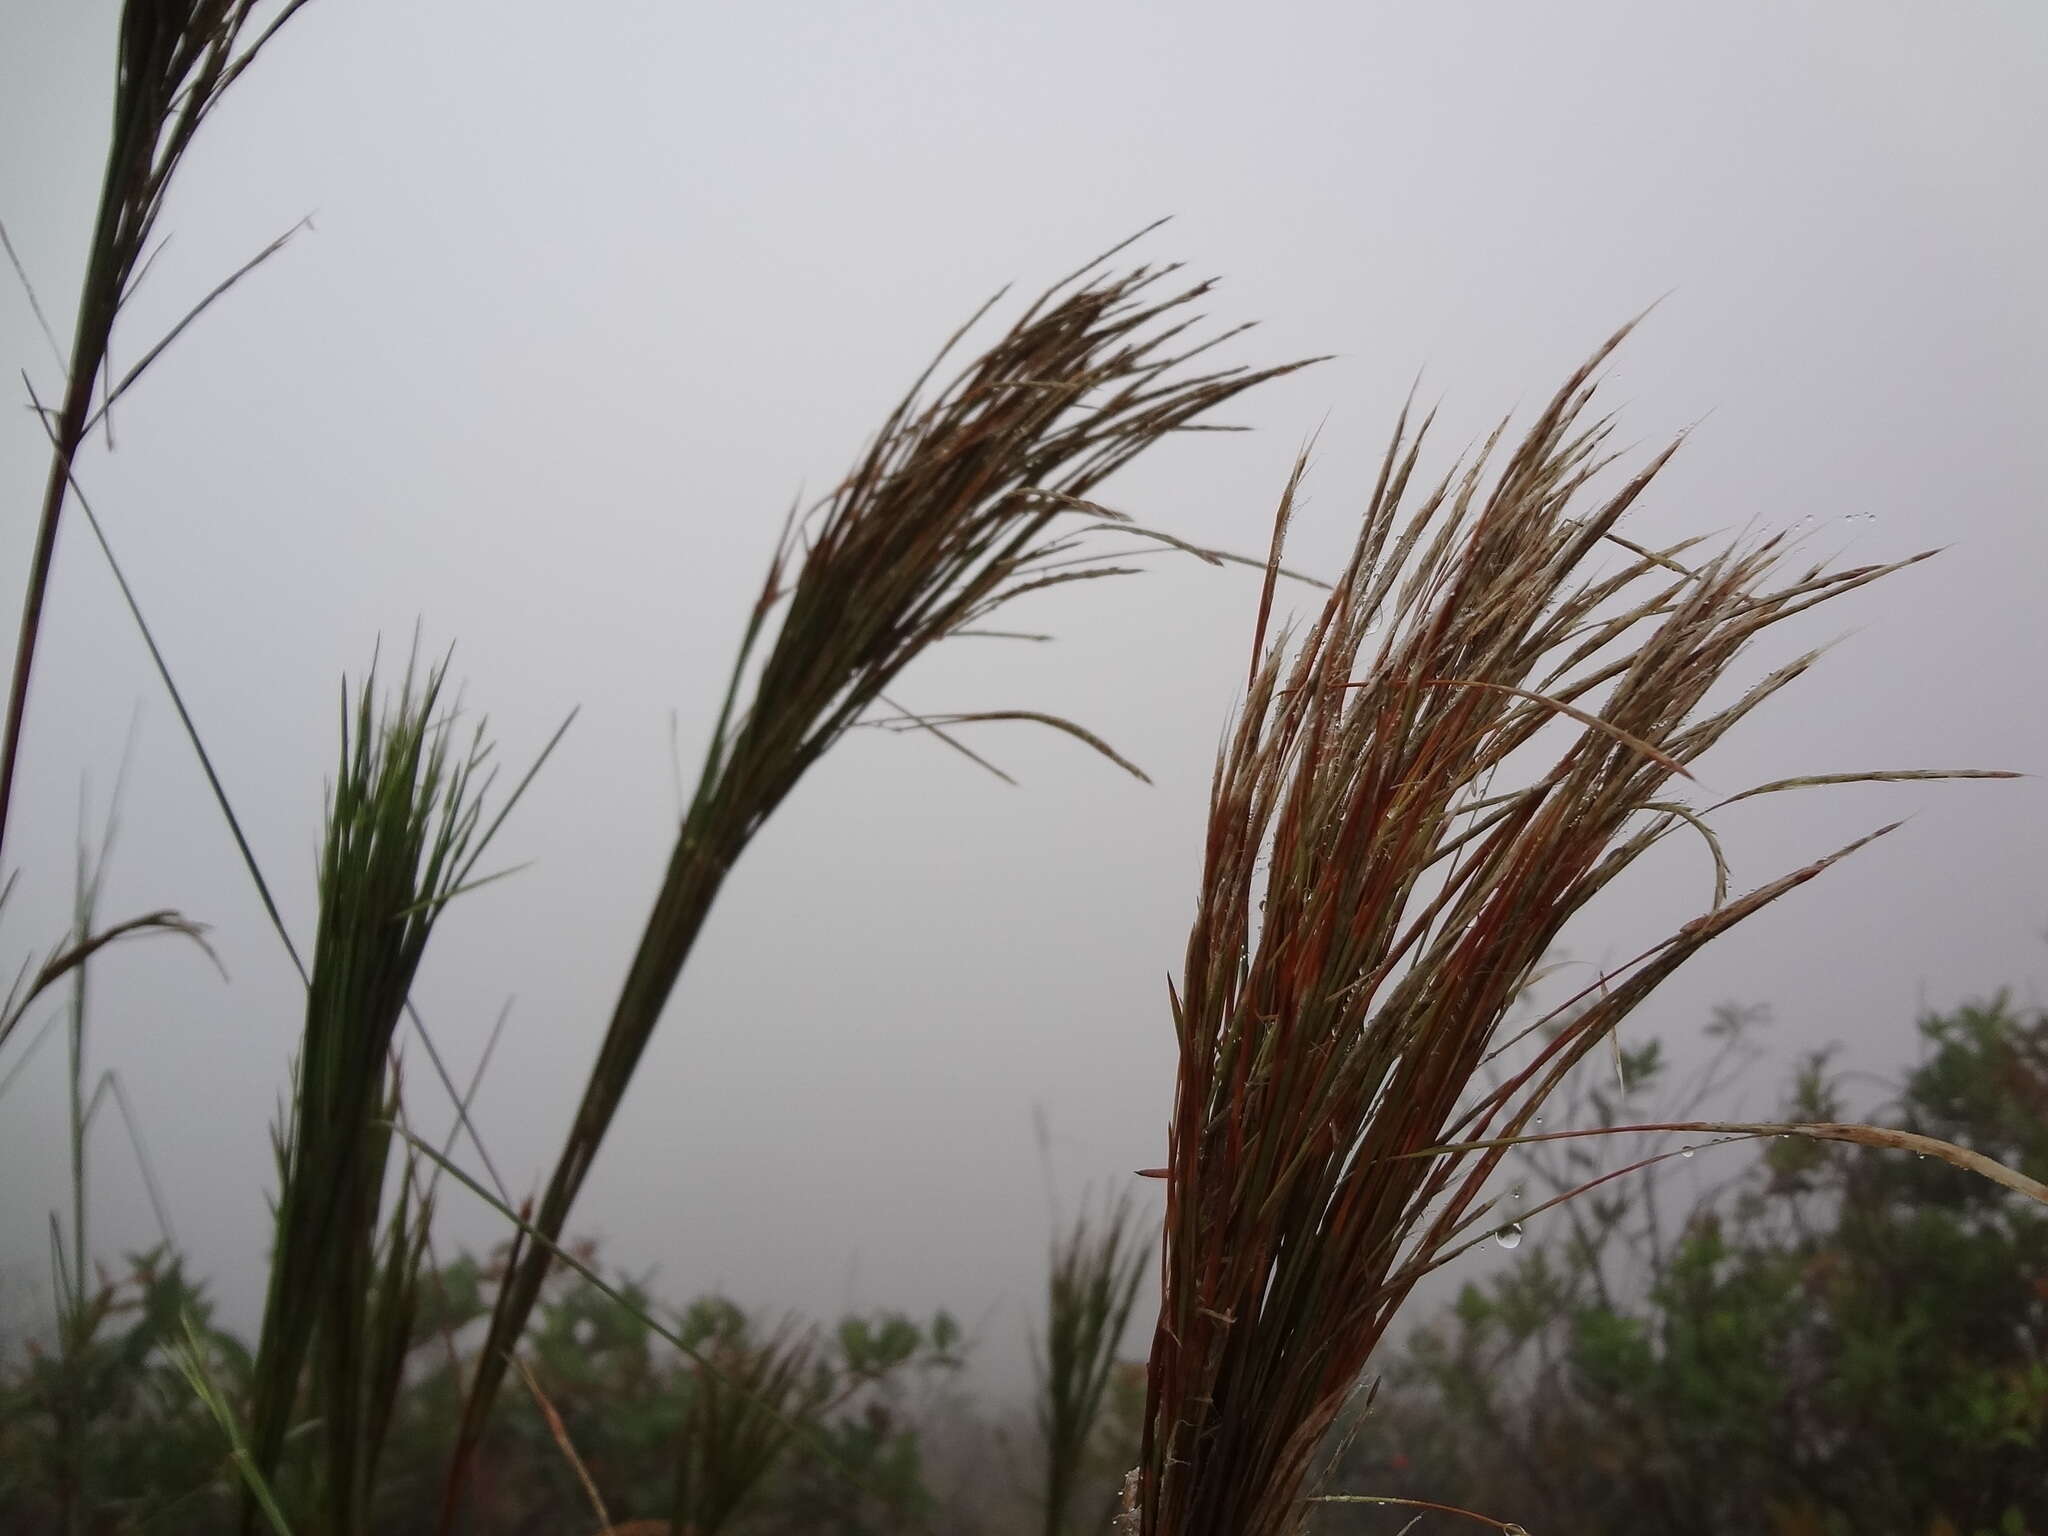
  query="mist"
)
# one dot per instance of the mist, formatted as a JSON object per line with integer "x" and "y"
{"x": 582, "y": 307}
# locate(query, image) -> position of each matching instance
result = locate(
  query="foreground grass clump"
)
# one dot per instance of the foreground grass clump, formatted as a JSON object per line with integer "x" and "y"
{"x": 1485, "y": 726}
{"x": 404, "y": 832}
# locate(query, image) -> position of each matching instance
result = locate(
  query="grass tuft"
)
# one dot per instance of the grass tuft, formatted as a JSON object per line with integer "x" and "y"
{"x": 1091, "y": 1286}
{"x": 965, "y": 501}
{"x": 404, "y": 830}
{"x": 1372, "y": 906}
{"x": 740, "y": 1417}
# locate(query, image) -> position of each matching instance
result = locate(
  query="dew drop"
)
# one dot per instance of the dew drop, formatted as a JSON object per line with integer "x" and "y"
{"x": 1509, "y": 1236}
{"x": 1685, "y": 1151}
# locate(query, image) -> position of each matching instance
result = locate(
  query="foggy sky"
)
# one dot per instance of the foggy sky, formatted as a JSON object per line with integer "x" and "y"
{"x": 586, "y": 304}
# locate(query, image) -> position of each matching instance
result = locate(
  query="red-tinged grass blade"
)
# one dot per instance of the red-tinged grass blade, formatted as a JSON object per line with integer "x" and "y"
{"x": 1373, "y": 903}
{"x": 560, "y": 1434}
{"x": 954, "y": 510}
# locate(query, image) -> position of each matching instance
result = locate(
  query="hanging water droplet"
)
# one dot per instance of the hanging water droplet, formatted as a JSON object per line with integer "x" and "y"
{"x": 1685, "y": 1151}
{"x": 1518, "y": 1191}
{"x": 1539, "y": 1119}
{"x": 1509, "y": 1236}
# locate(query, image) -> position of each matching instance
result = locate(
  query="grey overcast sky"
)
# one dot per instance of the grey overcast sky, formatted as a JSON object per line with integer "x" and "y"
{"x": 593, "y": 291}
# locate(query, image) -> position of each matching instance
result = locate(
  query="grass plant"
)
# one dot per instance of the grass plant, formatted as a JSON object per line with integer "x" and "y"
{"x": 965, "y": 501}
{"x": 404, "y": 831}
{"x": 739, "y": 1418}
{"x": 1098, "y": 1263}
{"x": 1374, "y": 899}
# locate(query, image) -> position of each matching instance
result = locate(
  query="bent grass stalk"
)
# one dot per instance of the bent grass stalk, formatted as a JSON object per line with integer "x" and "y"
{"x": 955, "y": 510}
{"x": 176, "y": 62}
{"x": 1371, "y": 908}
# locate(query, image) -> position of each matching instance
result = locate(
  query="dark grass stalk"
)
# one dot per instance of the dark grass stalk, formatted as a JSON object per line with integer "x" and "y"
{"x": 962, "y": 503}
{"x": 73, "y": 1310}
{"x": 79, "y": 1310}
{"x": 176, "y": 59}
{"x": 83, "y": 1296}
{"x": 1372, "y": 905}
{"x": 1091, "y": 1285}
{"x": 404, "y": 831}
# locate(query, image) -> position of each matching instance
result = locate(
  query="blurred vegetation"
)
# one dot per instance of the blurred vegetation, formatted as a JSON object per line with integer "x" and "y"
{"x": 658, "y": 1434}
{"x": 1834, "y": 1341}
{"x": 1818, "y": 1341}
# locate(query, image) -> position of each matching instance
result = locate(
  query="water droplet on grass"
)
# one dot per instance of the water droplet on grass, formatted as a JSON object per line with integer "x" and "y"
{"x": 1509, "y": 1236}
{"x": 1685, "y": 1151}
